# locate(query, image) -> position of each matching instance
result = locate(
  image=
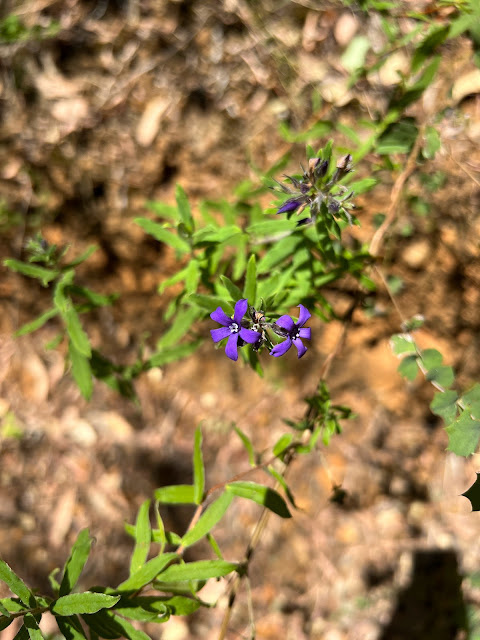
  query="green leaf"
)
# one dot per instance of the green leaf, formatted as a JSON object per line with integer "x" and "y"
{"x": 250, "y": 288}
{"x": 209, "y": 303}
{"x": 282, "y": 250}
{"x": 473, "y": 494}
{"x": 144, "y": 609}
{"x": 264, "y": 496}
{"x": 22, "y": 633}
{"x": 200, "y": 570}
{"x": 443, "y": 376}
{"x": 463, "y": 435}
{"x": 75, "y": 331}
{"x": 184, "y": 209}
{"x": 425, "y": 50}
{"x": 182, "y": 605}
{"x": 209, "y": 518}
{"x": 128, "y": 630}
{"x": 283, "y": 483}
{"x": 445, "y": 405}
{"x": 76, "y": 562}
{"x": 148, "y": 572}
{"x": 87, "y": 602}
{"x": 171, "y": 354}
{"x": 32, "y": 627}
{"x": 176, "y": 494}
{"x": 160, "y": 233}
{"x": 81, "y": 371}
{"x": 408, "y": 367}
{"x": 183, "y": 321}
{"x": 160, "y": 530}
{"x": 471, "y": 400}
{"x": 37, "y": 323}
{"x": 143, "y": 536}
{"x": 432, "y": 143}
{"x": 402, "y": 343}
{"x": 163, "y": 210}
{"x": 271, "y": 227}
{"x": 198, "y": 468}
{"x": 232, "y": 288}
{"x": 16, "y": 585}
{"x": 3, "y": 610}
{"x": 431, "y": 358}
{"x": 84, "y": 256}
{"x": 399, "y": 137}
{"x": 103, "y": 625}
{"x": 282, "y": 443}
{"x": 362, "y": 186}
{"x": 71, "y": 627}
{"x": 32, "y": 271}
{"x": 247, "y": 444}
{"x": 13, "y": 605}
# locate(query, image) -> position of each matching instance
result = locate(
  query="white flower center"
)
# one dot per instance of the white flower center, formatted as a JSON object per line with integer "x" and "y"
{"x": 234, "y": 328}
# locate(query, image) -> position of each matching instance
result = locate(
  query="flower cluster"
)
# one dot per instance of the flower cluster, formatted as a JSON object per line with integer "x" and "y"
{"x": 255, "y": 330}
{"x": 315, "y": 189}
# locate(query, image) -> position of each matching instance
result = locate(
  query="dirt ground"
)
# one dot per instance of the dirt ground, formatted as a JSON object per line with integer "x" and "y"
{"x": 112, "y": 104}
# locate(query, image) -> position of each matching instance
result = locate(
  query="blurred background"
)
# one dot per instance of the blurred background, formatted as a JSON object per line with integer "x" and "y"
{"x": 105, "y": 105}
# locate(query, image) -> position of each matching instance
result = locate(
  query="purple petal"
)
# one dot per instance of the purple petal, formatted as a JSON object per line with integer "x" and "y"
{"x": 231, "y": 350}
{"x": 305, "y": 333}
{"x": 301, "y": 348}
{"x": 220, "y": 334}
{"x": 248, "y": 335}
{"x": 304, "y": 315}
{"x": 290, "y": 205}
{"x": 221, "y": 317}
{"x": 240, "y": 310}
{"x": 286, "y": 323}
{"x": 279, "y": 349}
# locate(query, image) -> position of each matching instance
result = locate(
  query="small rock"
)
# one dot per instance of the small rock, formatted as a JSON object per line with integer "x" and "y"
{"x": 345, "y": 28}
{"x": 417, "y": 254}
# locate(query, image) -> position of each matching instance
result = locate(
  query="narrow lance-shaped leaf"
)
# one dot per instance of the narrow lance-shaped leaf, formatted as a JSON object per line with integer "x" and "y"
{"x": 160, "y": 530}
{"x": 87, "y": 602}
{"x": 209, "y": 518}
{"x": 143, "y": 536}
{"x": 32, "y": 271}
{"x": 128, "y": 630}
{"x": 184, "y": 209}
{"x": 81, "y": 371}
{"x": 198, "y": 468}
{"x": 16, "y": 585}
{"x": 148, "y": 572}
{"x": 176, "y": 494}
{"x": 29, "y": 327}
{"x": 264, "y": 496}
{"x": 247, "y": 444}
{"x": 161, "y": 234}
{"x": 76, "y": 562}
{"x": 32, "y": 627}
{"x": 71, "y": 627}
{"x": 250, "y": 289}
{"x": 200, "y": 570}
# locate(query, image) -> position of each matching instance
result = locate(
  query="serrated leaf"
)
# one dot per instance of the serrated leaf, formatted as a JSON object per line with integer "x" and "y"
{"x": 160, "y": 233}
{"x": 250, "y": 288}
{"x": 445, "y": 405}
{"x": 209, "y": 518}
{"x": 471, "y": 400}
{"x": 143, "y": 536}
{"x": 198, "y": 468}
{"x": 408, "y": 367}
{"x": 81, "y": 371}
{"x": 247, "y": 444}
{"x": 473, "y": 494}
{"x": 184, "y": 209}
{"x": 148, "y": 572}
{"x": 463, "y": 435}
{"x": 176, "y": 494}
{"x": 402, "y": 343}
{"x": 76, "y": 562}
{"x": 264, "y": 496}
{"x": 78, "y": 603}
{"x": 71, "y": 628}
{"x": 443, "y": 375}
{"x": 16, "y": 585}
{"x": 32, "y": 271}
{"x": 200, "y": 570}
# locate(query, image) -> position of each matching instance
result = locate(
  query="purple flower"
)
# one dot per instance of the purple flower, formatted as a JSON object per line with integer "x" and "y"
{"x": 291, "y": 205}
{"x": 292, "y": 332}
{"x": 232, "y": 329}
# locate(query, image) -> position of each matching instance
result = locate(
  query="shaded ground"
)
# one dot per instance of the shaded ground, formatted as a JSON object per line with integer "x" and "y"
{"x": 125, "y": 100}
